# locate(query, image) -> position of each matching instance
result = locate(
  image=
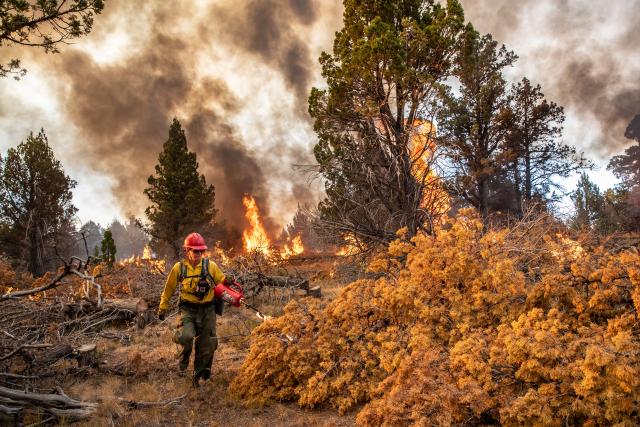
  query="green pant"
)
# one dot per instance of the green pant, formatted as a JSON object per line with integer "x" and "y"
{"x": 197, "y": 323}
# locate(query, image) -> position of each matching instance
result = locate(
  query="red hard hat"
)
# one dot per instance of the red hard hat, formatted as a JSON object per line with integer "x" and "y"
{"x": 194, "y": 241}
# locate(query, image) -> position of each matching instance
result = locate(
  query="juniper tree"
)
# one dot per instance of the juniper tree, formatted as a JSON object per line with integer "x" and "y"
{"x": 475, "y": 120}
{"x": 388, "y": 63}
{"x": 181, "y": 200}
{"x": 108, "y": 248}
{"x": 35, "y": 202}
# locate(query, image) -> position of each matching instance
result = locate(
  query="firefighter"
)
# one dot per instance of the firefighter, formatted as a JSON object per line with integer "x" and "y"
{"x": 197, "y": 324}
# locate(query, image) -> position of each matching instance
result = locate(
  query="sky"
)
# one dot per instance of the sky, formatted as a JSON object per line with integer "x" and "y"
{"x": 237, "y": 75}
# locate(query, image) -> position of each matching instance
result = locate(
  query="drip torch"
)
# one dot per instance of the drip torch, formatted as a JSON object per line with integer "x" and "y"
{"x": 232, "y": 292}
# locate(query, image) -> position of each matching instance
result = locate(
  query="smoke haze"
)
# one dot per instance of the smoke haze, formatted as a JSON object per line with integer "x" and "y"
{"x": 179, "y": 65}
{"x": 583, "y": 53}
{"x": 237, "y": 75}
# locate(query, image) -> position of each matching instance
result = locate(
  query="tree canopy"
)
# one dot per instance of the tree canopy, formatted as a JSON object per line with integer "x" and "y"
{"x": 383, "y": 77}
{"x": 43, "y": 23}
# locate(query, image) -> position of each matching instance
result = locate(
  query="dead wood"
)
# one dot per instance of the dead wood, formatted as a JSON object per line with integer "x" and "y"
{"x": 255, "y": 282}
{"x": 86, "y": 355}
{"x": 52, "y": 284}
{"x": 73, "y": 266}
{"x": 59, "y": 404}
{"x": 132, "y": 404}
{"x": 22, "y": 347}
{"x": 315, "y": 292}
{"x": 56, "y": 353}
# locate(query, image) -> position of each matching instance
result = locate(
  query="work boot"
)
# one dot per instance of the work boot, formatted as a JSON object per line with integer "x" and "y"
{"x": 195, "y": 381}
{"x": 183, "y": 364}
{"x": 206, "y": 374}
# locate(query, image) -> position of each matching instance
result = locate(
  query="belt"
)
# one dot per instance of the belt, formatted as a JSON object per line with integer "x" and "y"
{"x": 190, "y": 304}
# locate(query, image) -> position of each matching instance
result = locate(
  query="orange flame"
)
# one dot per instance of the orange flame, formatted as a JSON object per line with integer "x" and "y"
{"x": 292, "y": 248}
{"x": 146, "y": 252}
{"x": 422, "y": 148}
{"x": 218, "y": 253}
{"x": 145, "y": 259}
{"x": 351, "y": 248}
{"x": 254, "y": 238}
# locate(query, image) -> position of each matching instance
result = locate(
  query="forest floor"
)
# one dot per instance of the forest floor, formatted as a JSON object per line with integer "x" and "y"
{"x": 136, "y": 381}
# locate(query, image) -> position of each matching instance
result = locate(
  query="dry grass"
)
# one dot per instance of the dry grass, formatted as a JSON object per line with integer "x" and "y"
{"x": 141, "y": 365}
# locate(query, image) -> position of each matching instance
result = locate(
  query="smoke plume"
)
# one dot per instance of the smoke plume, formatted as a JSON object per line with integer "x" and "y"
{"x": 585, "y": 59}
{"x": 122, "y": 109}
{"x": 270, "y": 31}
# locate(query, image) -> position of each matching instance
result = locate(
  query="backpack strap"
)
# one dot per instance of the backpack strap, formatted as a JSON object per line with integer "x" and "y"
{"x": 204, "y": 272}
{"x": 183, "y": 273}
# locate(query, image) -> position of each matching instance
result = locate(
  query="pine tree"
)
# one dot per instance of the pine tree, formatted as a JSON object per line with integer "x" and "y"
{"x": 533, "y": 141}
{"x": 626, "y": 167}
{"x": 108, "y": 248}
{"x": 475, "y": 120}
{"x": 588, "y": 203}
{"x": 181, "y": 200}
{"x": 35, "y": 203}
{"x": 387, "y": 65}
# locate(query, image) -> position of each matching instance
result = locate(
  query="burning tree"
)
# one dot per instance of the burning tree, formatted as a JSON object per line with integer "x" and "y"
{"x": 181, "y": 200}
{"x": 384, "y": 75}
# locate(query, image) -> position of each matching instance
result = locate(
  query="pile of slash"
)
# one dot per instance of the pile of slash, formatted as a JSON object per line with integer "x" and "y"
{"x": 59, "y": 318}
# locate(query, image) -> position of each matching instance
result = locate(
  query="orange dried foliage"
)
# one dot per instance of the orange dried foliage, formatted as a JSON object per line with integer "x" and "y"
{"x": 465, "y": 327}
{"x": 11, "y": 281}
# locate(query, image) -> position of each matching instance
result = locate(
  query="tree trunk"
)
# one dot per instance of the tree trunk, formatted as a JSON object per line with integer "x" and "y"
{"x": 516, "y": 177}
{"x": 527, "y": 172}
{"x": 35, "y": 266}
{"x": 483, "y": 196}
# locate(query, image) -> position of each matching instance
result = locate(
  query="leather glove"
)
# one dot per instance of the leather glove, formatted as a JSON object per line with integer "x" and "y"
{"x": 161, "y": 314}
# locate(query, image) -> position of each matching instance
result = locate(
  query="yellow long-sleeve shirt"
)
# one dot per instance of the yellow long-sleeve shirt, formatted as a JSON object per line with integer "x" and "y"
{"x": 189, "y": 284}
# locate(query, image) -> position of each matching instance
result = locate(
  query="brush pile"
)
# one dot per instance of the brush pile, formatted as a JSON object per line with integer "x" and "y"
{"x": 50, "y": 327}
{"x": 512, "y": 326}
{"x": 58, "y": 318}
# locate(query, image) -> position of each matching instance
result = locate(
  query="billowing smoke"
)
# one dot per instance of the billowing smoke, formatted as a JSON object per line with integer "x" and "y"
{"x": 122, "y": 109}
{"x": 270, "y": 30}
{"x": 585, "y": 57}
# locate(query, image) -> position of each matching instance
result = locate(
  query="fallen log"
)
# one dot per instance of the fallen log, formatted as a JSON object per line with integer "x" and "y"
{"x": 56, "y": 353}
{"x": 88, "y": 316}
{"x": 254, "y": 282}
{"x": 59, "y": 404}
{"x": 133, "y": 404}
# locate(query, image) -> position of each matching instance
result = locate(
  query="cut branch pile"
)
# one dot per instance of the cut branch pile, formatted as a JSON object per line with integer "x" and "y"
{"x": 60, "y": 317}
